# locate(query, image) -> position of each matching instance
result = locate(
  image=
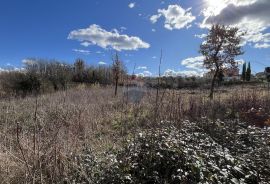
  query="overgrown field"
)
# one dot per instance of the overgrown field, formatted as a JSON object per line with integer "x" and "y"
{"x": 86, "y": 135}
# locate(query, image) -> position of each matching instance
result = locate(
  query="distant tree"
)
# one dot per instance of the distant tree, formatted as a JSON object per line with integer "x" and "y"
{"x": 50, "y": 72}
{"x": 19, "y": 83}
{"x": 79, "y": 69}
{"x": 116, "y": 68}
{"x": 248, "y": 72}
{"x": 244, "y": 70}
{"x": 221, "y": 46}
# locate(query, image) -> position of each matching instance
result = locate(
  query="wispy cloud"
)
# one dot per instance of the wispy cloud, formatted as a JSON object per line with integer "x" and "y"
{"x": 145, "y": 74}
{"x": 102, "y": 63}
{"x": 86, "y": 52}
{"x": 262, "y": 45}
{"x": 200, "y": 36}
{"x": 141, "y": 68}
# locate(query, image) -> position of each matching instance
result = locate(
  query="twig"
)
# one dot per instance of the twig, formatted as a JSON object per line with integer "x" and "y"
{"x": 20, "y": 147}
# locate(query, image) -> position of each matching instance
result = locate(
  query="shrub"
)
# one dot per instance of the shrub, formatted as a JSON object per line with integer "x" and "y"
{"x": 19, "y": 83}
{"x": 170, "y": 155}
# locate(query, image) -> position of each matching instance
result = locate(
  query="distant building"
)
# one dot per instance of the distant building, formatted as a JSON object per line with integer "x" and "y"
{"x": 229, "y": 74}
{"x": 260, "y": 75}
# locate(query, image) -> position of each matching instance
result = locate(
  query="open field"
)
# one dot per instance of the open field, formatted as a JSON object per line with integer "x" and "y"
{"x": 39, "y": 136}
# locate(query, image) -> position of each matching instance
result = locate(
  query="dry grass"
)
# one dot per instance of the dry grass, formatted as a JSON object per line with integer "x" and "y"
{"x": 38, "y": 135}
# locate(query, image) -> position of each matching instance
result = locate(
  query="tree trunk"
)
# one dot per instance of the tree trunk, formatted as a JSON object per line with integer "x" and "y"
{"x": 211, "y": 95}
{"x": 116, "y": 86}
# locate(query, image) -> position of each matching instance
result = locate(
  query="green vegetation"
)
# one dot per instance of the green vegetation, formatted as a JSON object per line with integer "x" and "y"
{"x": 244, "y": 69}
{"x": 248, "y": 72}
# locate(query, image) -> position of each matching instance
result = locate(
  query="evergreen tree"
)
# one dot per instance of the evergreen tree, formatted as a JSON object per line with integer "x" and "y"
{"x": 244, "y": 71}
{"x": 248, "y": 72}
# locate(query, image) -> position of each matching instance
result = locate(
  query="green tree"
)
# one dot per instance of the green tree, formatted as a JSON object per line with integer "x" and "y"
{"x": 244, "y": 71}
{"x": 221, "y": 46}
{"x": 248, "y": 72}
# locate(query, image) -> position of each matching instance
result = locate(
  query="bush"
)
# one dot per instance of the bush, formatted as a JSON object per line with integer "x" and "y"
{"x": 19, "y": 83}
{"x": 169, "y": 155}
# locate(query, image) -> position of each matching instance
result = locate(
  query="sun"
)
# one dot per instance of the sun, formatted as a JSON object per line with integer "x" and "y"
{"x": 214, "y": 7}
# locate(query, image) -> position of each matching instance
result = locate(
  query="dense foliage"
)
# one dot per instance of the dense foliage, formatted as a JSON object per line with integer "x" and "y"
{"x": 213, "y": 152}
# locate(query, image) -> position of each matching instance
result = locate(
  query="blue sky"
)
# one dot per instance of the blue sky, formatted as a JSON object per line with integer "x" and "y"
{"x": 93, "y": 29}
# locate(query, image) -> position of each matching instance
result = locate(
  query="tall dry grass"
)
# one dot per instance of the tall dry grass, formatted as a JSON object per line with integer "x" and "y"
{"x": 39, "y": 135}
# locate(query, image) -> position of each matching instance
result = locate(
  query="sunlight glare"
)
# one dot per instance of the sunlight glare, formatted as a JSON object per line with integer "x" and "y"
{"x": 214, "y": 7}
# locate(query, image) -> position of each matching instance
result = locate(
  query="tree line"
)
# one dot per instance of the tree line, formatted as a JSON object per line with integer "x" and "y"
{"x": 40, "y": 75}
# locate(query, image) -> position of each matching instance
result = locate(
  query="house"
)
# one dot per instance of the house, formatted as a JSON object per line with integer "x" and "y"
{"x": 230, "y": 74}
{"x": 260, "y": 75}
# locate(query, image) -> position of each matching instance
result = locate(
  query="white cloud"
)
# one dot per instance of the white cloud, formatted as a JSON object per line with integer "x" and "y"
{"x": 29, "y": 61}
{"x": 170, "y": 72}
{"x": 240, "y": 61}
{"x": 102, "y": 63}
{"x": 95, "y": 35}
{"x": 85, "y": 44}
{"x": 251, "y": 16}
{"x": 262, "y": 45}
{"x": 175, "y": 17}
{"x": 153, "y": 30}
{"x": 145, "y": 74}
{"x": 193, "y": 62}
{"x": 3, "y": 70}
{"x": 194, "y": 67}
{"x": 182, "y": 73}
{"x": 200, "y": 36}
{"x": 10, "y": 67}
{"x": 122, "y": 29}
{"x": 154, "y": 18}
{"x": 86, "y": 52}
{"x": 131, "y": 5}
{"x": 154, "y": 57}
{"x": 190, "y": 73}
{"x": 142, "y": 68}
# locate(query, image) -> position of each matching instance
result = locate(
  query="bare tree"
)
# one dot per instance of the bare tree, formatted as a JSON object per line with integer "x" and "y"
{"x": 79, "y": 67}
{"x": 118, "y": 70}
{"x": 220, "y": 48}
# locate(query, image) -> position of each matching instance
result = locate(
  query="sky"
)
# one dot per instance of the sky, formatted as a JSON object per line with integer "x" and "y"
{"x": 137, "y": 29}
